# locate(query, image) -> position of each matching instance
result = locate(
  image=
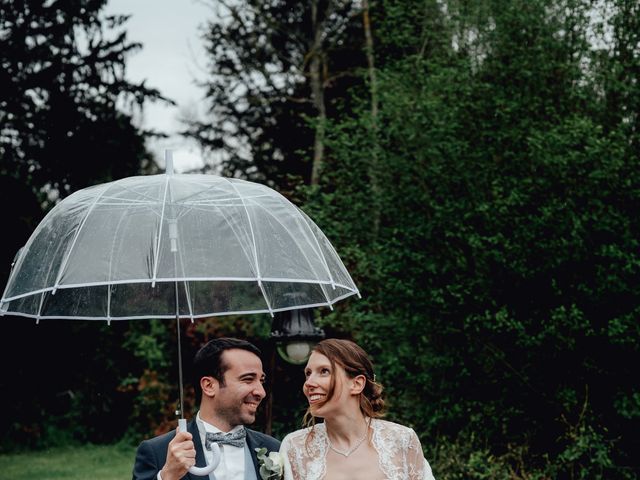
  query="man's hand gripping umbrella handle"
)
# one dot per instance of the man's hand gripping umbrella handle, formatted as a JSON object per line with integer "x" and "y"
{"x": 215, "y": 449}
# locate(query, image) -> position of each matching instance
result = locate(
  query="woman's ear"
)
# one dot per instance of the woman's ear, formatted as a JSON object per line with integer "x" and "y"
{"x": 209, "y": 386}
{"x": 357, "y": 384}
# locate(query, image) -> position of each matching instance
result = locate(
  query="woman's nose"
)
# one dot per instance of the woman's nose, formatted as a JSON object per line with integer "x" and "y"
{"x": 309, "y": 381}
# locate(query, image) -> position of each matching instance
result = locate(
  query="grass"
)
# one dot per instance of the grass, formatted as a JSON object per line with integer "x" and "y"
{"x": 90, "y": 462}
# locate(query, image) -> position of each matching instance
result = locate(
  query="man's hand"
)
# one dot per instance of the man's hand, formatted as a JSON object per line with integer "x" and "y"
{"x": 181, "y": 455}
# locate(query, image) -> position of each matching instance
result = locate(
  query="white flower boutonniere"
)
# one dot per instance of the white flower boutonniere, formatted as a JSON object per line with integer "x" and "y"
{"x": 271, "y": 466}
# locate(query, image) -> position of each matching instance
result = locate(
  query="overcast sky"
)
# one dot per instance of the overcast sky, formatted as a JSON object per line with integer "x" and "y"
{"x": 172, "y": 57}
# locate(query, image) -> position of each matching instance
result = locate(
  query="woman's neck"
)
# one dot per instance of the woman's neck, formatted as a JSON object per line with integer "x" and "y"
{"x": 346, "y": 427}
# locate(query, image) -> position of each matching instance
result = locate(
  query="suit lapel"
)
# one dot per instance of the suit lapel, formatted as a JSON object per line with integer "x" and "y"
{"x": 253, "y": 443}
{"x": 192, "y": 428}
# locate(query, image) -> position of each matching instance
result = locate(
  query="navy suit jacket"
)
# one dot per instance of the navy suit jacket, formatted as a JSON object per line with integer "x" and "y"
{"x": 152, "y": 454}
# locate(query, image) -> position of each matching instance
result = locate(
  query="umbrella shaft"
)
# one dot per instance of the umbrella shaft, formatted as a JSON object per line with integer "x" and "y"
{"x": 179, "y": 356}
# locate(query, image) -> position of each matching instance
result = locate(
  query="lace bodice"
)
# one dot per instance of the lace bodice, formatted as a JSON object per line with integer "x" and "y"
{"x": 400, "y": 454}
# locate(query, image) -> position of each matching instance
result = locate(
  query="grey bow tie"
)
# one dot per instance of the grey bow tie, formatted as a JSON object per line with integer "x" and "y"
{"x": 234, "y": 438}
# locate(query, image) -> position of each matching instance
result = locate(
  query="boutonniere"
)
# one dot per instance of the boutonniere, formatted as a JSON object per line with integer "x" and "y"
{"x": 271, "y": 466}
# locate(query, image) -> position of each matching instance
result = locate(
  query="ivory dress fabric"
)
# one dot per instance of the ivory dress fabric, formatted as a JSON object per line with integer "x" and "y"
{"x": 400, "y": 454}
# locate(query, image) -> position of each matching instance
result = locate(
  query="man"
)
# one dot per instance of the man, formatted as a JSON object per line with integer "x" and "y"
{"x": 228, "y": 378}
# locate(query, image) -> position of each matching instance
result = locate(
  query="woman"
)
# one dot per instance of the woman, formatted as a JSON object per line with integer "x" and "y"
{"x": 353, "y": 442}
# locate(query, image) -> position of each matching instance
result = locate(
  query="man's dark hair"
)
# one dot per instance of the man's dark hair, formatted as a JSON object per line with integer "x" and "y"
{"x": 208, "y": 360}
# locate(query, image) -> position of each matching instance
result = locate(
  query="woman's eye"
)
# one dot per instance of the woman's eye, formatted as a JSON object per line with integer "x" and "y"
{"x": 325, "y": 371}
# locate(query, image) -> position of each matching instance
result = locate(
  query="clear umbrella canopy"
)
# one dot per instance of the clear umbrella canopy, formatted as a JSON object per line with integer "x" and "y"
{"x": 122, "y": 250}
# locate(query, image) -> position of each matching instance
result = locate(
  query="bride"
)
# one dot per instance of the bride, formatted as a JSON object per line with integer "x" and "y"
{"x": 352, "y": 443}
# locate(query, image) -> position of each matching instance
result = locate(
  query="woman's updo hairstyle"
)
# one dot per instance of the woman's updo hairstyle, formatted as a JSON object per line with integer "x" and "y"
{"x": 355, "y": 362}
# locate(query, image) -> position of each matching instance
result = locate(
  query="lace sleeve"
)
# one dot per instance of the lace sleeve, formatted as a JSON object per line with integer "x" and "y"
{"x": 419, "y": 468}
{"x": 287, "y": 457}
{"x": 304, "y": 461}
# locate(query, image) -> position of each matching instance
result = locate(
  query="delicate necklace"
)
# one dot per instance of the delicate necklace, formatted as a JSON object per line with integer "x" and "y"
{"x": 352, "y": 449}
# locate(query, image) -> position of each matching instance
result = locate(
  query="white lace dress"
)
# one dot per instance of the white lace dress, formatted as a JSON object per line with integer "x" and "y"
{"x": 400, "y": 454}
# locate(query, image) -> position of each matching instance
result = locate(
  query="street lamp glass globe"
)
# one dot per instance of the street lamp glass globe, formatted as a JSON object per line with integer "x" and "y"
{"x": 296, "y": 352}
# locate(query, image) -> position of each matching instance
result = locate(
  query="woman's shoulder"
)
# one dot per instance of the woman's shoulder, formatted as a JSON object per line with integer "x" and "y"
{"x": 392, "y": 428}
{"x": 299, "y": 436}
{"x": 298, "y": 433}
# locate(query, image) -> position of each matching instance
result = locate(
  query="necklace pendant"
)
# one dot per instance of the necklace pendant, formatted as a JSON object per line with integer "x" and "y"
{"x": 349, "y": 451}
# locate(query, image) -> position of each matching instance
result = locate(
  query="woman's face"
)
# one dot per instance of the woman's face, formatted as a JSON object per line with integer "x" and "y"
{"x": 317, "y": 385}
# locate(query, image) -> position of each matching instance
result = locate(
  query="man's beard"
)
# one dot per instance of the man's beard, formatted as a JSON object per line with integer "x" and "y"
{"x": 238, "y": 414}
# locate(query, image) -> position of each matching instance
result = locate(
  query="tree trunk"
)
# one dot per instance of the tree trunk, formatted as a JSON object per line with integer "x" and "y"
{"x": 373, "y": 82}
{"x": 317, "y": 89}
{"x": 373, "y": 91}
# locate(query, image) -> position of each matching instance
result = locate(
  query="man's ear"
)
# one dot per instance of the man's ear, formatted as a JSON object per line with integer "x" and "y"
{"x": 209, "y": 386}
{"x": 357, "y": 384}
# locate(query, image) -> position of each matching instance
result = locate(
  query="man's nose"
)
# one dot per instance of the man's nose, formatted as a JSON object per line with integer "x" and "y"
{"x": 259, "y": 391}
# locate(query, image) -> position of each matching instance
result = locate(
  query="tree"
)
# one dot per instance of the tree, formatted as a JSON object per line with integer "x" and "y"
{"x": 500, "y": 293}
{"x": 64, "y": 99}
{"x": 277, "y": 70}
{"x": 65, "y": 123}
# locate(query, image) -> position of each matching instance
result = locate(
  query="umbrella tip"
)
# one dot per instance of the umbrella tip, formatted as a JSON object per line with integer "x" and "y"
{"x": 168, "y": 160}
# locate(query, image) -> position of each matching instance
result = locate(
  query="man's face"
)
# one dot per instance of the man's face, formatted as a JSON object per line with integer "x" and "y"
{"x": 236, "y": 401}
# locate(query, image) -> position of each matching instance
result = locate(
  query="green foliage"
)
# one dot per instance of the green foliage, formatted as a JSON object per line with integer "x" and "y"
{"x": 260, "y": 58}
{"x": 148, "y": 382}
{"x": 65, "y": 106}
{"x": 66, "y": 122}
{"x": 149, "y": 342}
{"x": 62, "y": 379}
{"x": 487, "y": 209}
{"x": 502, "y": 283}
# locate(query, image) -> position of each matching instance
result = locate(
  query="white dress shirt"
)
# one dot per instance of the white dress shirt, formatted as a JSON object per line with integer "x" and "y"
{"x": 232, "y": 462}
{"x": 231, "y": 465}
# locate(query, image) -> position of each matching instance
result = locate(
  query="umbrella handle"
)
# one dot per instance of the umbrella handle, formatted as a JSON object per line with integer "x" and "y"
{"x": 215, "y": 449}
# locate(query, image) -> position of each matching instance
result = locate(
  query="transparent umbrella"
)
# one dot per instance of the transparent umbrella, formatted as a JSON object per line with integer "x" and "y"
{"x": 174, "y": 246}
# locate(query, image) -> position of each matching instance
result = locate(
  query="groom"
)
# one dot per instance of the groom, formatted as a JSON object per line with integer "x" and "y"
{"x": 228, "y": 381}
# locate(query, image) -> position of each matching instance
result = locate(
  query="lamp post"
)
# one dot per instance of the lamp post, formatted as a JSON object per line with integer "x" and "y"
{"x": 293, "y": 335}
